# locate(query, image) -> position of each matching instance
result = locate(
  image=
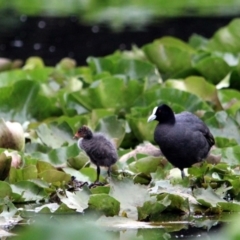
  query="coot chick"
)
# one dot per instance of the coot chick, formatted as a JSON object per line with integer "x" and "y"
{"x": 99, "y": 149}
{"x": 183, "y": 138}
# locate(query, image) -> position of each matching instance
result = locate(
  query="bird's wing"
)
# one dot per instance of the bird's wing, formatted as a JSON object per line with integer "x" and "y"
{"x": 104, "y": 148}
{"x": 196, "y": 124}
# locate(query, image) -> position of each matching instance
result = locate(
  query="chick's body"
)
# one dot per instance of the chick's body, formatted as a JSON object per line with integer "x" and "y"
{"x": 100, "y": 150}
{"x": 98, "y": 147}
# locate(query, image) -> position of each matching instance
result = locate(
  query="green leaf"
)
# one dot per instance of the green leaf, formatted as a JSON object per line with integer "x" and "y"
{"x": 136, "y": 196}
{"x": 229, "y": 99}
{"x": 55, "y": 135}
{"x": 197, "y": 41}
{"x": 146, "y": 165}
{"x": 151, "y": 209}
{"x": 174, "y": 97}
{"x": 77, "y": 200}
{"x": 196, "y": 85}
{"x": 5, "y": 190}
{"x": 207, "y": 197}
{"x": 223, "y": 125}
{"x": 117, "y": 64}
{"x": 230, "y": 155}
{"x": 28, "y": 191}
{"x": 77, "y": 174}
{"x": 79, "y": 161}
{"x": 170, "y": 55}
{"x": 26, "y": 173}
{"x": 98, "y": 114}
{"x": 54, "y": 176}
{"x": 230, "y": 206}
{"x": 113, "y": 127}
{"x": 207, "y": 68}
{"x": 27, "y": 105}
{"x": 104, "y": 203}
{"x": 100, "y": 190}
{"x": 121, "y": 92}
{"x": 34, "y": 63}
{"x": 58, "y": 155}
{"x": 223, "y": 142}
{"x": 174, "y": 202}
{"x": 226, "y": 39}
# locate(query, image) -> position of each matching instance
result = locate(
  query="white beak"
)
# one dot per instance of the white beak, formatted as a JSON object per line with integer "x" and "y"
{"x": 151, "y": 118}
{"x": 153, "y": 115}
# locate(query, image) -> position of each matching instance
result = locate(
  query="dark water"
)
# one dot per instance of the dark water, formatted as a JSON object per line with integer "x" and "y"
{"x": 55, "y": 38}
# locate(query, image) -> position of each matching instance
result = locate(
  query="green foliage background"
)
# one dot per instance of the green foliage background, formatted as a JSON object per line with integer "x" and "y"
{"x": 115, "y": 94}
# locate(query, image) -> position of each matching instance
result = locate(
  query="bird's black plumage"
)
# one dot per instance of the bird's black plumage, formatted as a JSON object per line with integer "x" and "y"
{"x": 183, "y": 138}
{"x": 98, "y": 147}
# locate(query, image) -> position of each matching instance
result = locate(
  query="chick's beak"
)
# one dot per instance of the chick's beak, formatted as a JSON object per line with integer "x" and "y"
{"x": 151, "y": 118}
{"x": 76, "y": 136}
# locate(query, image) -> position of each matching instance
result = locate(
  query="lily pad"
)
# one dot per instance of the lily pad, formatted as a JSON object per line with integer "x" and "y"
{"x": 170, "y": 55}
{"x": 104, "y": 203}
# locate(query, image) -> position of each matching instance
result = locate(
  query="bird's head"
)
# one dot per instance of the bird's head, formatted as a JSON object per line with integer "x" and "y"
{"x": 83, "y": 132}
{"x": 162, "y": 113}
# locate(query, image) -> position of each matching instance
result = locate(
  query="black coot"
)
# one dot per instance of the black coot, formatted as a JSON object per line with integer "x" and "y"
{"x": 183, "y": 138}
{"x": 99, "y": 149}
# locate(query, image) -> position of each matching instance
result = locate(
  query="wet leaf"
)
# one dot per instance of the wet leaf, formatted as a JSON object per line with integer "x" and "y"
{"x": 77, "y": 200}
{"x": 104, "y": 203}
{"x": 207, "y": 197}
{"x": 136, "y": 196}
{"x": 27, "y": 191}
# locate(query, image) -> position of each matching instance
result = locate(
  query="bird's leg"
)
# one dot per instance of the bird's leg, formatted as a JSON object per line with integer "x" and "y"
{"x": 182, "y": 173}
{"x": 109, "y": 171}
{"x": 96, "y": 183}
{"x": 98, "y": 173}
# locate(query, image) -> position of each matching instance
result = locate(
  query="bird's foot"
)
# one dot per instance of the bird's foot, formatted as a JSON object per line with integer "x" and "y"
{"x": 96, "y": 184}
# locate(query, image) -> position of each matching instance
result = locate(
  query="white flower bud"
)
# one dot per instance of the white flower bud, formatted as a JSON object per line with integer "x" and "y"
{"x": 11, "y": 135}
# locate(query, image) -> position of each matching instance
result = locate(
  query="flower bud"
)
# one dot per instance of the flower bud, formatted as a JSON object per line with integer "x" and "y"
{"x": 11, "y": 135}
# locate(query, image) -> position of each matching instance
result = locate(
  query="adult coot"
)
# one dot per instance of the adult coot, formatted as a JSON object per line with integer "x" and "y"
{"x": 99, "y": 149}
{"x": 183, "y": 138}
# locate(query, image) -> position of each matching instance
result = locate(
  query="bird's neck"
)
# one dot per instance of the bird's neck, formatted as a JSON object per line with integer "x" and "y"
{"x": 88, "y": 136}
{"x": 168, "y": 118}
